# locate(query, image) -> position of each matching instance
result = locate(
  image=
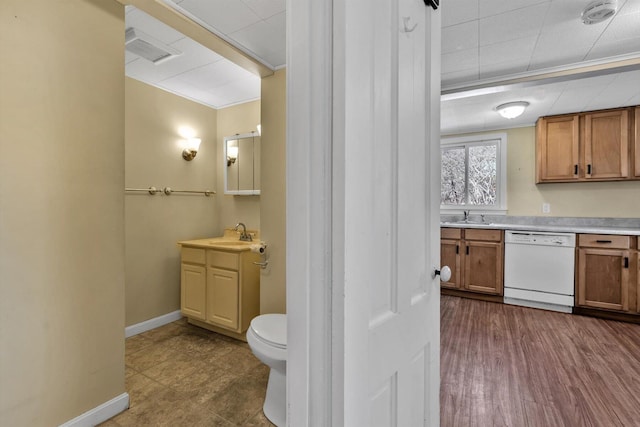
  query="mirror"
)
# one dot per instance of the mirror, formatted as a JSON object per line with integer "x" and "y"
{"x": 242, "y": 164}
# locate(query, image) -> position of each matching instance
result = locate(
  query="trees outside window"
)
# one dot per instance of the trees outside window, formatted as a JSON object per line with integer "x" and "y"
{"x": 472, "y": 173}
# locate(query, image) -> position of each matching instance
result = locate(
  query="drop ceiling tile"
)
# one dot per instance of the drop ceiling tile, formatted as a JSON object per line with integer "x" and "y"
{"x": 516, "y": 24}
{"x": 628, "y": 6}
{"x": 493, "y": 7}
{"x": 460, "y": 37}
{"x": 459, "y": 11}
{"x": 565, "y": 12}
{"x": 498, "y": 69}
{"x": 518, "y": 50}
{"x": 194, "y": 55}
{"x": 239, "y": 91}
{"x": 556, "y": 49}
{"x": 130, "y": 57}
{"x": 614, "y": 48}
{"x": 151, "y": 26}
{"x": 266, "y": 8}
{"x": 216, "y": 75}
{"x": 621, "y": 28}
{"x": 458, "y": 77}
{"x": 266, "y": 39}
{"x": 460, "y": 60}
{"x": 571, "y": 101}
{"x": 226, "y": 16}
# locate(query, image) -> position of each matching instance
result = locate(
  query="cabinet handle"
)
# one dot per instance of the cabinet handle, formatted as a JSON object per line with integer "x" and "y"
{"x": 575, "y": 169}
{"x": 603, "y": 241}
{"x": 588, "y": 169}
{"x": 626, "y": 262}
{"x": 467, "y": 250}
{"x": 457, "y": 249}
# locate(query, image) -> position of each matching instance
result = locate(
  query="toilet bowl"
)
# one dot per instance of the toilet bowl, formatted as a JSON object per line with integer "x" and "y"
{"x": 267, "y": 338}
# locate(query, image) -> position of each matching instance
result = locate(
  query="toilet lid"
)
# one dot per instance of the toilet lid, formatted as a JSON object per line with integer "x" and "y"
{"x": 271, "y": 328}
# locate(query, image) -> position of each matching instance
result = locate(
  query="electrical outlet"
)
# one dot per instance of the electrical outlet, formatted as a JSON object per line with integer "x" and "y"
{"x": 546, "y": 208}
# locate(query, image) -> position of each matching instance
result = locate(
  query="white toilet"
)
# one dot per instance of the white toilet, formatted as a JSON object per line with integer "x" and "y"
{"x": 267, "y": 337}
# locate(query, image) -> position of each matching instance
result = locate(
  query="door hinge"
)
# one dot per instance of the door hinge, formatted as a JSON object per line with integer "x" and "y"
{"x": 433, "y": 3}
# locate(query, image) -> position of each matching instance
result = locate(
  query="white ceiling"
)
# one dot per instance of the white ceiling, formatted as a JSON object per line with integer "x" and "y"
{"x": 484, "y": 43}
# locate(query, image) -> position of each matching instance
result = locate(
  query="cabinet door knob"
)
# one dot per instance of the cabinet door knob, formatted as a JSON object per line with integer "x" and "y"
{"x": 444, "y": 273}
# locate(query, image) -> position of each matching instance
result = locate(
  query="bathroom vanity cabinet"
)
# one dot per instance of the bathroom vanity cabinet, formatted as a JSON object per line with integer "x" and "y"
{"x": 475, "y": 257}
{"x": 220, "y": 286}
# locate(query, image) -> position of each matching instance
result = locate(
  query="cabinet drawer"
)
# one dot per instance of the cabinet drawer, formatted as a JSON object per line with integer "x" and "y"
{"x": 604, "y": 241}
{"x": 193, "y": 255}
{"x": 483, "y": 235}
{"x": 450, "y": 233}
{"x": 221, "y": 259}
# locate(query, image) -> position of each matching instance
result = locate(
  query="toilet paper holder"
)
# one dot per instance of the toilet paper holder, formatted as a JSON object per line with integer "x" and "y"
{"x": 261, "y": 248}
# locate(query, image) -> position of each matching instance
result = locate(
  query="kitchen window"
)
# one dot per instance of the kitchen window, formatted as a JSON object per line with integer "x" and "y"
{"x": 473, "y": 173}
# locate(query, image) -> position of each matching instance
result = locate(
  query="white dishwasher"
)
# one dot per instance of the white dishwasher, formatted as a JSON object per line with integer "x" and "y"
{"x": 539, "y": 269}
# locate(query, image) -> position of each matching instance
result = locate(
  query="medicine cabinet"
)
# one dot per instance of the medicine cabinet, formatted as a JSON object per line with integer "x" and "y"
{"x": 242, "y": 164}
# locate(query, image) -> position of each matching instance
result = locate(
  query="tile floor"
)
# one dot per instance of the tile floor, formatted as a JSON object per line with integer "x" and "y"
{"x": 183, "y": 375}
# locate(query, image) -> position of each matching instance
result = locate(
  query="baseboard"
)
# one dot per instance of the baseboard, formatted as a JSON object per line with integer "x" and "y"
{"x": 156, "y": 322}
{"x": 100, "y": 413}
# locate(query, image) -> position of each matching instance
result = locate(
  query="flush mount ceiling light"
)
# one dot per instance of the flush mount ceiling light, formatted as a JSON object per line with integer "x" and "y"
{"x": 599, "y": 11}
{"x": 511, "y": 110}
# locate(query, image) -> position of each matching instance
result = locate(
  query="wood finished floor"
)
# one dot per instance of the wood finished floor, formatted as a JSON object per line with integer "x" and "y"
{"x": 500, "y": 366}
{"x": 503, "y": 365}
{"x": 181, "y": 375}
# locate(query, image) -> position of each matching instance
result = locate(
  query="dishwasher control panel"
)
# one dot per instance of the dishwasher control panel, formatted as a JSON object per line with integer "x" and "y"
{"x": 540, "y": 238}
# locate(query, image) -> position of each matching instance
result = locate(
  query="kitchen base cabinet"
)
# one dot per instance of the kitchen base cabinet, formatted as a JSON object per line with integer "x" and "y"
{"x": 450, "y": 242}
{"x": 607, "y": 273}
{"x": 220, "y": 290}
{"x": 475, "y": 257}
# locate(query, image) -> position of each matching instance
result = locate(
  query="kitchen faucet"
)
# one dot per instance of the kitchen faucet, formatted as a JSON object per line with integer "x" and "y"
{"x": 466, "y": 215}
{"x": 244, "y": 236}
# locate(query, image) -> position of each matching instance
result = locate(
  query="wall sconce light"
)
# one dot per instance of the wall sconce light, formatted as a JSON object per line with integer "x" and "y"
{"x": 511, "y": 110}
{"x": 191, "y": 148}
{"x": 232, "y": 155}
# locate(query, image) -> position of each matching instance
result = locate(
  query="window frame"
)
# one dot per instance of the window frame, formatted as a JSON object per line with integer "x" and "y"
{"x": 501, "y": 170}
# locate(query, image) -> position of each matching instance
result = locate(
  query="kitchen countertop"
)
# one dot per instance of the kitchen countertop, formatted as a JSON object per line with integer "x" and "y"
{"x": 587, "y": 229}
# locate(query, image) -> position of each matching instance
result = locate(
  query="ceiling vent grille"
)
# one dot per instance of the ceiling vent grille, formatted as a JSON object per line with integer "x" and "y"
{"x": 599, "y": 11}
{"x": 147, "y": 47}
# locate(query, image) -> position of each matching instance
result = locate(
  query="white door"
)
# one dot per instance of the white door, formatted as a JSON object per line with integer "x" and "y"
{"x": 362, "y": 213}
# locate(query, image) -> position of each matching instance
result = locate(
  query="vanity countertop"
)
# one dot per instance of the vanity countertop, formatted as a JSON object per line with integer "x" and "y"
{"x": 219, "y": 243}
{"x": 586, "y": 229}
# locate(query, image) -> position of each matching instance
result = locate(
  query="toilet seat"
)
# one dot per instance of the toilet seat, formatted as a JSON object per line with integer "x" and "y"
{"x": 271, "y": 329}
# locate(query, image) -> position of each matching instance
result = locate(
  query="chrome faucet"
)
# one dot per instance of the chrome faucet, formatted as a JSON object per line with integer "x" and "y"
{"x": 244, "y": 236}
{"x": 466, "y": 215}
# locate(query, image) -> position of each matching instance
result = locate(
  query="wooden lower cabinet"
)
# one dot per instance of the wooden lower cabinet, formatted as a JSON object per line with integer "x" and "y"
{"x": 220, "y": 290}
{"x": 475, "y": 257}
{"x": 606, "y": 273}
{"x": 450, "y": 243}
{"x": 193, "y": 290}
{"x": 223, "y": 295}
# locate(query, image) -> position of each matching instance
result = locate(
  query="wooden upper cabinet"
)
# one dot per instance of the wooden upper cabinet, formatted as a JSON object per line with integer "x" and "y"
{"x": 558, "y": 142}
{"x": 606, "y": 144}
{"x": 593, "y": 146}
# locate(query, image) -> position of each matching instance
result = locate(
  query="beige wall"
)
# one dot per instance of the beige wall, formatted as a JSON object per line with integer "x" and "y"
{"x": 153, "y": 224}
{"x": 61, "y": 209}
{"x": 272, "y": 211}
{"x": 589, "y": 199}
{"x": 242, "y": 118}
